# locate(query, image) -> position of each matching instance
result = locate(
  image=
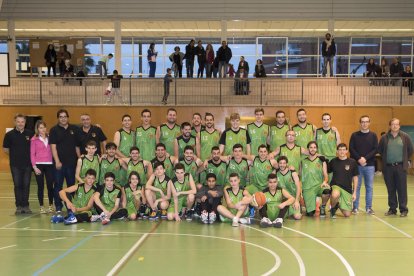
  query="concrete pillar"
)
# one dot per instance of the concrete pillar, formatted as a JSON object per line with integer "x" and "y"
{"x": 331, "y": 26}
{"x": 118, "y": 42}
{"x": 11, "y": 46}
{"x": 223, "y": 30}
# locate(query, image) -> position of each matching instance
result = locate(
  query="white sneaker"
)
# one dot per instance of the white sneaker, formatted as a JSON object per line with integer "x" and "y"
{"x": 265, "y": 222}
{"x": 42, "y": 210}
{"x": 235, "y": 222}
{"x": 204, "y": 217}
{"x": 244, "y": 220}
{"x": 95, "y": 218}
{"x": 212, "y": 217}
{"x": 50, "y": 210}
{"x": 278, "y": 223}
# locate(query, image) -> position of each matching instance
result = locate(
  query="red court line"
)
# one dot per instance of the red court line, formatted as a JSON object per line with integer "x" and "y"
{"x": 243, "y": 252}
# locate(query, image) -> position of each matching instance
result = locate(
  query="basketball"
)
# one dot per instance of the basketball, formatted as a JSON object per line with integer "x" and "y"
{"x": 260, "y": 199}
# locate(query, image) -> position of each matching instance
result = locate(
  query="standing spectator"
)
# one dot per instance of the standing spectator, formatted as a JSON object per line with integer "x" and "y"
{"x": 408, "y": 79}
{"x": 396, "y": 148}
{"x": 243, "y": 65}
{"x": 167, "y": 81}
{"x": 116, "y": 87}
{"x": 209, "y": 60}
{"x": 328, "y": 53}
{"x": 177, "y": 62}
{"x": 63, "y": 55}
{"x": 89, "y": 132}
{"x": 201, "y": 59}
{"x": 224, "y": 55}
{"x": 42, "y": 163}
{"x": 396, "y": 70}
{"x": 189, "y": 58}
{"x": 363, "y": 147}
{"x": 215, "y": 67}
{"x": 259, "y": 70}
{"x": 16, "y": 144}
{"x": 152, "y": 60}
{"x": 65, "y": 151}
{"x": 50, "y": 58}
{"x": 103, "y": 63}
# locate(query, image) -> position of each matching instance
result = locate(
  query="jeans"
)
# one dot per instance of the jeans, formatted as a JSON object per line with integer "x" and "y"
{"x": 189, "y": 65}
{"x": 209, "y": 70}
{"x": 325, "y": 64}
{"x": 153, "y": 67}
{"x": 68, "y": 173}
{"x": 396, "y": 180}
{"x": 102, "y": 65}
{"x": 366, "y": 172}
{"x": 222, "y": 69}
{"x": 21, "y": 180}
{"x": 200, "y": 69}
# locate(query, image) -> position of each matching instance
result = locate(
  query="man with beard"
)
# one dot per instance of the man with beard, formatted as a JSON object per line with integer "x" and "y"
{"x": 185, "y": 139}
{"x": 277, "y": 133}
{"x": 167, "y": 161}
{"x": 305, "y": 132}
{"x": 168, "y": 132}
{"x": 124, "y": 138}
{"x": 215, "y": 166}
{"x": 209, "y": 137}
{"x": 197, "y": 125}
{"x": 191, "y": 163}
{"x": 89, "y": 132}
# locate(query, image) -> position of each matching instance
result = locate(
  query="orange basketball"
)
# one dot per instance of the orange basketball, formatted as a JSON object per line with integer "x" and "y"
{"x": 260, "y": 199}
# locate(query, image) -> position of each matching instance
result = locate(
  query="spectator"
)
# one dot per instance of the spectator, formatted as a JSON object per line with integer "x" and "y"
{"x": 89, "y": 132}
{"x": 201, "y": 58}
{"x": 42, "y": 163}
{"x": 241, "y": 82}
{"x": 68, "y": 70}
{"x": 63, "y": 55}
{"x": 215, "y": 67}
{"x": 385, "y": 69}
{"x": 116, "y": 87}
{"x": 328, "y": 53}
{"x": 177, "y": 62}
{"x": 189, "y": 58}
{"x": 103, "y": 63}
{"x": 79, "y": 71}
{"x": 224, "y": 55}
{"x": 371, "y": 68}
{"x": 167, "y": 81}
{"x": 209, "y": 60}
{"x": 231, "y": 71}
{"x": 408, "y": 79}
{"x": 243, "y": 65}
{"x": 50, "y": 58}
{"x": 152, "y": 60}
{"x": 16, "y": 144}
{"x": 259, "y": 70}
{"x": 396, "y": 70}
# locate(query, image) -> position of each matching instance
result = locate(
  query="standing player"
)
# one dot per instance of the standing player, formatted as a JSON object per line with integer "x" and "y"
{"x": 88, "y": 161}
{"x": 168, "y": 132}
{"x": 191, "y": 163}
{"x": 344, "y": 181}
{"x": 240, "y": 165}
{"x": 314, "y": 180}
{"x": 209, "y": 137}
{"x": 234, "y": 135}
{"x": 277, "y": 204}
{"x": 215, "y": 166}
{"x": 124, "y": 138}
{"x": 135, "y": 198}
{"x": 258, "y": 131}
{"x": 135, "y": 164}
{"x": 327, "y": 138}
{"x": 305, "y": 132}
{"x": 145, "y": 136}
{"x": 167, "y": 161}
{"x": 185, "y": 139}
{"x": 277, "y": 135}
{"x": 197, "y": 126}
{"x": 111, "y": 163}
{"x": 288, "y": 179}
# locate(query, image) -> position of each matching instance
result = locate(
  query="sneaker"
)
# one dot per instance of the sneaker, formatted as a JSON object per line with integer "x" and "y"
{"x": 204, "y": 217}
{"x": 197, "y": 209}
{"x": 26, "y": 210}
{"x": 333, "y": 213}
{"x": 42, "y": 210}
{"x": 252, "y": 211}
{"x": 58, "y": 218}
{"x": 71, "y": 219}
{"x": 403, "y": 214}
{"x": 95, "y": 218}
{"x": 244, "y": 220}
{"x": 278, "y": 223}
{"x": 147, "y": 212}
{"x": 265, "y": 222}
{"x": 163, "y": 214}
{"x": 105, "y": 220}
{"x": 390, "y": 213}
{"x": 322, "y": 211}
{"x": 355, "y": 211}
{"x": 235, "y": 222}
{"x": 153, "y": 215}
{"x": 370, "y": 211}
{"x": 212, "y": 217}
{"x": 189, "y": 215}
{"x": 18, "y": 210}
{"x": 50, "y": 209}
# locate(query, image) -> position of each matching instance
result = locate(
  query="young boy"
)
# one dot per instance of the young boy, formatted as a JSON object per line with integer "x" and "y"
{"x": 237, "y": 201}
{"x": 88, "y": 161}
{"x": 209, "y": 197}
{"x": 136, "y": 164}
{"x": 116, "y": 87}
{"x": 183, "y": 192}
{"x": 107, "y": 200}
{"x": 277, "y": 204}
{"x": 110, "y": 163}
{"x": 167, "y": 80}
{"x": 78, "y": 199}
{"x": 135, "y": 198}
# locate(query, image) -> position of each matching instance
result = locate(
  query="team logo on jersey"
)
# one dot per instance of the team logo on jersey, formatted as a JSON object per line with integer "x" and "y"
{"x": 71, "y": 132}
{"x": 27, "y": 138}
{"x": 347, "y": 167}
{"x": 139, "y": 134}
{"x": 93, "y": 134}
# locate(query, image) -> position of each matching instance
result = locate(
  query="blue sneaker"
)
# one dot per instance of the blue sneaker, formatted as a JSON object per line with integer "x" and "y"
{"x": 252, "y": 212}
{"x": 57, "y": 219}
{"x": 71, "y": 219}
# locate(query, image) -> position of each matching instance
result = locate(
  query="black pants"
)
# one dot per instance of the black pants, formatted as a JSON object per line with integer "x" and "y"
{"x": 50, "y": 66}
{"x": 47, "y": 171}
{"x": 210, "y": 205}
{"x": 395, "y": 178}
{"x": 120, "y": 213}
{"x": 189, "y": 64}
{"x": 200, "y": 71}
{"x": 21, "y": 180}
{"x": 166, "y": 92}
{"x": 282, "y": 213}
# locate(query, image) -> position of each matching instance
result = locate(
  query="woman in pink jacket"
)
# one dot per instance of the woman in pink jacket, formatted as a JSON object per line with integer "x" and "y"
{"x": 42, "y": 163}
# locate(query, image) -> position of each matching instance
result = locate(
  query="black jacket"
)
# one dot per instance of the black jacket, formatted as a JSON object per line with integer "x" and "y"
{"x": 201, "y": 54}
{"x": 50, "y": 56}
{"x": 259, "y": 72}
{"x": 224, "y": 54}
{"x": 331, "y": 51}
{"x": 190, "y": 52}
{"x": 396, "y": 69}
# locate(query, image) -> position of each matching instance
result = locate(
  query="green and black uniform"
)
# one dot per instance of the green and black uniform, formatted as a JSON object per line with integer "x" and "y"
{"x": 162, "y": 185}
{"x": 131, "y": 200}
{"x": 271, "y": 210}
{"x": 113, "y": 167}
{"x": 139, "y": 168}
{"x": 207, "y": 141}
{"x": 190, "y": 168}
{"x": 180, "y": 187}
{"x": 234, "y": 198}
{"x": 241, "y": 168}
{"x": 80, "y": 199}
{"x": 293, "y": 155}
{"x": 230, "y": 137}
{"x": 218, "y": 169}
{"x": 194, "y": 131}
{"x": 168, "y": 166}
{"x": 303, "y": 135}
{"x": 108, "y": 199}
{"x": 312, "y": 178}
{"x": 88, "y": 164}
{"x": 258, "y": 175}
{"x": 258, "y": 136}
{"x": 126, "y": 141}
{"x": 168, "y": 136}
{"x": 145, "y": 140}
{"x": 286, "y": 181}
{"x": 183, "y": 142}
{"x": 326, "y": 140}
{"x": 277, "y": 136}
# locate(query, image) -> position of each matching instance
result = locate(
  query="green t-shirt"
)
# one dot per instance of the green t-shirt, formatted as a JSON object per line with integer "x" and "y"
{"x": 108, "y": 198}
{"x": 183, "y": 142}
{"x": 130, "y": 198}
{"x": 89, "y": 164}
{"x": 277, "y": 136}
{"x": 242, "y": 169}
{"x": 259, "y": 172}
{"x": 293, "y": 155}
{"x": 182, "y": 186}
{"x": 207, "y": 141}
{"x": 126, "y": 141}
{"x": 81, "y": 197}
{"x": 162, "y": 185}
{"x": 194, "y": 131}
{"x": 145, "y": 140}
{"x": 326, "y": 140}
{"x": 218, "y": 169}
{"x": 168, "y": 136}
{"x": 258, "y": 136}
{"x": 190, "y": 168}
{"x": 114, "y": 167}
{"x": 139, "y": 168}
{"x": 272, "y": 202}
{"x": 303, "y": 135}
{"x": 286, "y": 182}
{"x": 230, "y": 137}
{"x": 168, "y": 166}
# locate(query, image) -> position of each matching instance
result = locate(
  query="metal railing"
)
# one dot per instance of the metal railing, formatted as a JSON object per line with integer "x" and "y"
{"x": 214, "y": 92}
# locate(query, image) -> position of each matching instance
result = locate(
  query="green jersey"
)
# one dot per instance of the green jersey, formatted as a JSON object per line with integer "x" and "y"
{"x": 293, "y": 155}
{"x": 241, "y": 168}
{"x": 303, "y": 135}
{"x": 81, "y": 197}
{"x": 182, "y": 186}
{"x": 108, "y": 198}
{"x": 194, "y": 131}
{"x": 89, "y": 164}
{"x": 277, "y": 136}
{"x": 218, "y": 169}
{"x": 190, "y": 168}
{"x": 207, "y": 141}
{"x": 131, "y": 200}
{"x": 183, "y": 142}
{"x": 162, "y": 185}
{"x": 113, "y": 167}
{"x": 168, "y": 166}
{"x": 272, "y": 202}
{"x": 258, "y": 136}
{"x": 230, "y": 137}
{"x": 326, "y": 140}
{"x": 145, "y": 140}
{"x": 235, "y": 197}
{"x": 312, "y": 172}
{"x": 168, "y": 135}
{"x": 126, "y": 141}
{"x": 286, "y": 181}
{"x": 139, "y": 168}
{"x": 259, "y": 172}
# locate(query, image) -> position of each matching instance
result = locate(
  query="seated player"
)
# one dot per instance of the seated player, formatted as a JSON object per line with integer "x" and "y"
{"x": 209, "y": 197}
{"x": 107, "y": 199}
{"x": 183, "y": 192}
{"x": 89, "y": 161}
{"x": 135, "y": 198}
{"x": 158, "y": 192}
{"x": 78, "y": 200}
{"x": 237, "y": 202}
{"x": 344, "y": 181}
{"x": 277, "y": 204}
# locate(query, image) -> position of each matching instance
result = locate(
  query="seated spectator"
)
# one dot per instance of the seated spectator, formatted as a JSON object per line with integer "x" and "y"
{"x": 384, "y": 71}
{"x": 259, "y": 70}
{"x": 68, "y": 70}
{"x": 231, "y": 71}
{"x": 371, "y": 68}
{"x": 407, "y": 79}
{"x": 241, "y": 83}
{"x": 80, "y": 71}
{"x": 396, "y": 70}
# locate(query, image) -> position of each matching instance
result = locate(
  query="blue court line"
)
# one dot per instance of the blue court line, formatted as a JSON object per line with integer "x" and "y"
{"x": 70, "y": 250}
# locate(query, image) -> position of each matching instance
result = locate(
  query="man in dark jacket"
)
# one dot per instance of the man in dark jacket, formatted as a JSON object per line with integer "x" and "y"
{"x": 190, "y": 52}
{"x": 328, "y": 53}
{"x": 396, "y": 70}
{"x": 201, "y": 58}
{"x": 224, "y": 55}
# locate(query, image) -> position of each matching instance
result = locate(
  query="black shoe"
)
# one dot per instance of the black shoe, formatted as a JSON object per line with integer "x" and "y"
{"x": 189, "y": 215}
{"x": 322, "y": 212}
{"x": 390, "y": 213}
{"x": 403, "y": 214}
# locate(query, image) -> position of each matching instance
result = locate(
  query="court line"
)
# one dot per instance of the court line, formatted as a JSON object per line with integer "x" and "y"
{"x": 7, "y": 225}
{"x": 54, "y": 239}
{"x": 393, "y": 227}
{"x": 341, "y": 258}
{"x": 302, "y": 269}
{"x": 1, "y": 248}
{"x": 243, "y": 253}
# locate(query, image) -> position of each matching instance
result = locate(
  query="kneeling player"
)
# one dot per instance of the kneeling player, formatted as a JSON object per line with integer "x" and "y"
{"x": 183, "y": 192}
{"x": 79, "y": 199}
{"x": 237, "y": 201}
{"x": 277, "y": 204}
{"x": 107, "y": 199}
{"x": 134, "y": 194}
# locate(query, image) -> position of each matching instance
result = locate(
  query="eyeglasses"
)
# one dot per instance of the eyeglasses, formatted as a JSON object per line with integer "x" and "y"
{"x": 63, "y": 117}
{"x": 364, "y": 122}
